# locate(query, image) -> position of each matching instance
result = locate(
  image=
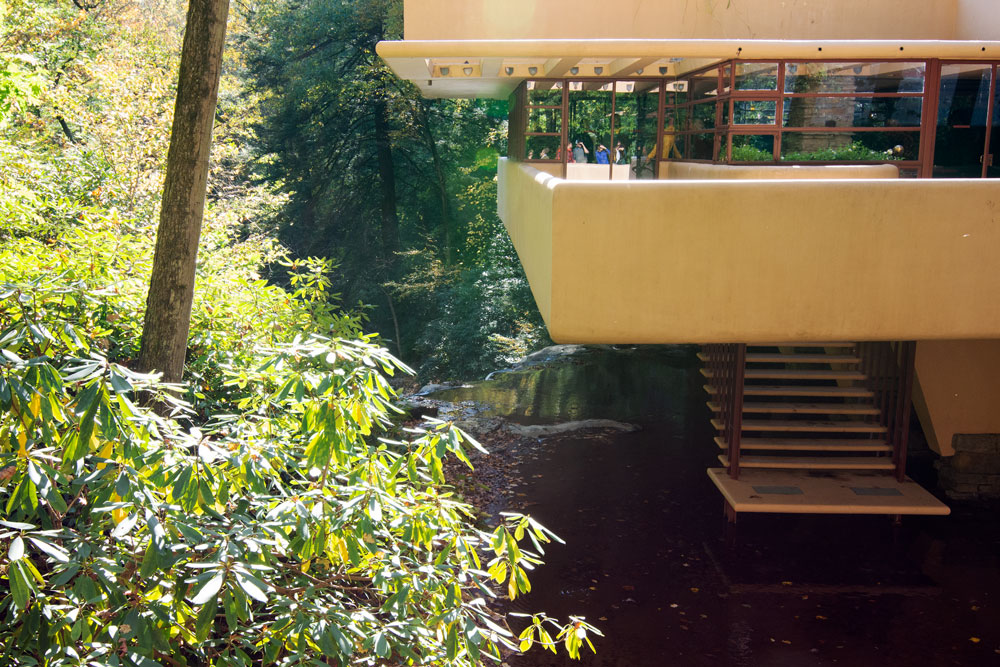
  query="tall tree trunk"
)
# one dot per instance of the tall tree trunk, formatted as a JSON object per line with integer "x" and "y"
{"x": 171, "y": 287}
{"x": 442, "y": 182}
{"x": 387, "y": 177}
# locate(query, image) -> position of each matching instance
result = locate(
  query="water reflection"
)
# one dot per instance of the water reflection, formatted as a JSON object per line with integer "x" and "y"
{"x": 629, "y": 384}
{"x": 648, "y": 558}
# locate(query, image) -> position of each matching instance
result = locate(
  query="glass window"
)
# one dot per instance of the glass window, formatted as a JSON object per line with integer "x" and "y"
{"x": 857, "y": 77}
{"x": 545, "y": 93}
{"x": 544, "y": 120}
{"x": 754, "y": 112}
{"x": 676, "y": 92}
{"x": 756, "y": 76}
{"x": 849, "y": 146}
{"x": 636, "y": 117}
{"x": 753, "y": 148}
{"x": 702, "y": 146}
{"x": 703, "y": 116}
{"x": 852, "y": 111}
{"x": 542, "y": 147}
{"x": 590, "y": 114}
{"x": 704, "y": 85}
{"x": 961, "y": 123}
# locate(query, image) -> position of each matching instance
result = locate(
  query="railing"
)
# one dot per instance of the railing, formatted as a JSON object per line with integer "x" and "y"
{"x": 726, "y": 363}
{"x": 888, "y": 367}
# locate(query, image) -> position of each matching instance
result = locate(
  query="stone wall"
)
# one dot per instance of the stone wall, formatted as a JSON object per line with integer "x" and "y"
{"x": 974, "y": 471}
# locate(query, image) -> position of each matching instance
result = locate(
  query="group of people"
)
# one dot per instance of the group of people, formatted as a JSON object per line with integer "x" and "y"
{"x": 577, "y": 152}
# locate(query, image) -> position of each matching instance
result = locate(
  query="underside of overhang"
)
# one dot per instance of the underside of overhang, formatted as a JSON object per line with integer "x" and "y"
{"x": 493, "y": 68}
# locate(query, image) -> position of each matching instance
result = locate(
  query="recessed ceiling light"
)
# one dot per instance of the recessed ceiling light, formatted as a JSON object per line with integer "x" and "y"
{"x": 574, "y": 70}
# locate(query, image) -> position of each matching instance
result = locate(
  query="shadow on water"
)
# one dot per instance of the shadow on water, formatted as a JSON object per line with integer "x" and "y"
{"x": 649, "y": 560}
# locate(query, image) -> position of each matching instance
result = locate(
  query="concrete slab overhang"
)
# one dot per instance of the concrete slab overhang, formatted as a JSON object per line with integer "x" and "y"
{"x": 493, "y": 68}
{"x": 689, "y": 261}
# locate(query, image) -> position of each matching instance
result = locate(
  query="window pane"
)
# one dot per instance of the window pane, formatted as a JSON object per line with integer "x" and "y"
{"x": 545, "y": 93}
{"x": 753, "y": 148}
{"x": 754, "y": 112}
{"x": 704, "y": 85}
{"x": 636, "y": 117}
{"x": 852, "y": 111}
{"x": 542, "y": 148}
{"x": 890, "y": 77}
{"x": 676, "y": 92}
{"x": 703, "y": 116}
{"x": 702, "y": 146}
{"x": 544, "y": 120}
{"x": 589, "y": 118}
{"x": 849, "y": 146}
{"x": 756, "y": 76}
{"x": 962, "y": 112}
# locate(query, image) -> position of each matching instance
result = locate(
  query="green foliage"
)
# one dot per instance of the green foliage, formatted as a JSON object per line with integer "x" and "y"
{"x": 449, "y": 301}
{"x": 271, "y": 510}
{"x": 855, "y": 151}
{"x": 302, "y": 526}
{"x": 748, "y": 153}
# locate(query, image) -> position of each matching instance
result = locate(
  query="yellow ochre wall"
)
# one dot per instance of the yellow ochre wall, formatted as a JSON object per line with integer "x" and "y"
{"x": 692, "y": 261}
{"x": 957, "y": 389}
{"x": 704, "y": 19}
{"x": 526, "y": 209}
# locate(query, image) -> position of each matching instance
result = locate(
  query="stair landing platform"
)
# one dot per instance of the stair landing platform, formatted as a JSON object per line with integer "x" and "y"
{"x": 805, "y": 492}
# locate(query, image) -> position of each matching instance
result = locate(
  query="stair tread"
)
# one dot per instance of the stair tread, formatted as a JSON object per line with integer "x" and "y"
{"x": 803, "y": 344}
{"x": 803, "y": 408}
{"x": 804, "y": 390}
{"x": 814, "y": 425}
{"x": 792, "y": 374}
{"x": 810, "y": 444}
{"x": 814, "y": 462}
{"x": 778, "y": 358}
{"x": 785, "y": 373}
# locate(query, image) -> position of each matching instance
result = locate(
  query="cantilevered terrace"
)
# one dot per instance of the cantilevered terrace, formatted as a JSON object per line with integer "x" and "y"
{"x": 758, "y": 173}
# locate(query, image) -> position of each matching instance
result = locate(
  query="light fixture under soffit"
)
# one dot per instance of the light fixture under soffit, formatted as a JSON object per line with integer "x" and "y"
{"x": 532, "y": 71}
{"x": 663, "y": 69}
{"x": 598, "y": 70}
{"x": 574, "y": 70}
{"x": 467, "y": 71}
{"x": 508, "y": 70}
{"x": 445, "y": 71}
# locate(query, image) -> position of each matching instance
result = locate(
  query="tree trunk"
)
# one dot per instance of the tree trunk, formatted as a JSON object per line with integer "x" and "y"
{"x": 171, "y": 287}
{"x": 387, "y": 177}
{"x": 442, "y": 183}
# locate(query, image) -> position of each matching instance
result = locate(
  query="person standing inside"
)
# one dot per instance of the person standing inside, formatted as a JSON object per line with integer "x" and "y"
{"x": 601, "y": 154}
{"x": 580, "y": 152}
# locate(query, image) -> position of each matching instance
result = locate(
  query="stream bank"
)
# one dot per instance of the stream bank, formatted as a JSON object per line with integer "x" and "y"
{"x": 648, "y": 557}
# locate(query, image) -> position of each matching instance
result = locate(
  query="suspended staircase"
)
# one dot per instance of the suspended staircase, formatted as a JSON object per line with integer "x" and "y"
{"x": 814, "y": 427}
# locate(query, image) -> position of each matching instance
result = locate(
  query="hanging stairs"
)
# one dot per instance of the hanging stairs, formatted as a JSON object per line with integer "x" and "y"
{"x": 830, "y": 416}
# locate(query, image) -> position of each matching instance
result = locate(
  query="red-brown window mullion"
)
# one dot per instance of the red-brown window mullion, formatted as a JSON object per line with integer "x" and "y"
{"x": 611, "y": 139}
{"x": 990, "y": 103}
{"x": 564, "y": 139}
{"x": 779, "y": 111}
{"x": 932, "y": 82}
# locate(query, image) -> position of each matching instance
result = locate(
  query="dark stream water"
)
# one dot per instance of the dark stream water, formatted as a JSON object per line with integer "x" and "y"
{"x": 649, "y": 558}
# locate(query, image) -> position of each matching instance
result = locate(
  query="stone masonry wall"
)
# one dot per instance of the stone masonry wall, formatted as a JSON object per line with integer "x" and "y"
{"x": 974, "y": 471}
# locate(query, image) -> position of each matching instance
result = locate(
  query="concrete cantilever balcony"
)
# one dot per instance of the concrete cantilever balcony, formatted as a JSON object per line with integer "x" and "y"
{"x": 817, "y": 258}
